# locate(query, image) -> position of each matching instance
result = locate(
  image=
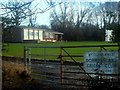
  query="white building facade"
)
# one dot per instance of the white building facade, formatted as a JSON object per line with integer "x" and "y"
{"x": 108, "y": 34}
{"x": 32, "y": 34}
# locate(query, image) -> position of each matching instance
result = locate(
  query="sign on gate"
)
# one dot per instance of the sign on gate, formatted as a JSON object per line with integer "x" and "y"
{"x": 103, "y": 62}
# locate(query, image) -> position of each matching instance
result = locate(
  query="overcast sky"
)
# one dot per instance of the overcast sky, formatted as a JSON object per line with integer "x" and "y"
{"x": 44, "y": 18}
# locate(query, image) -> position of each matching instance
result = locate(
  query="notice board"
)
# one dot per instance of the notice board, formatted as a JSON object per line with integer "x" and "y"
{"x": 103, "y": 62}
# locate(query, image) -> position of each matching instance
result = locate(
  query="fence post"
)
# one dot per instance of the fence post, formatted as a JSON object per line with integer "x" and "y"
{"x": 45, "y": 64}
{"x": 29, "y": 60}
{"x": 25, "y": 57}
{"x": 61, "y": 67}
{"x": 44, "y": 55}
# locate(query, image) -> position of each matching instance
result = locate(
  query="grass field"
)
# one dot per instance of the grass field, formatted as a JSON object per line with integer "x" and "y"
{"x": 17, "y": 49}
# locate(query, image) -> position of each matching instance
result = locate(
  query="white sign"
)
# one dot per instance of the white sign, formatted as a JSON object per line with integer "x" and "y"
{"x": 104, "y": 62}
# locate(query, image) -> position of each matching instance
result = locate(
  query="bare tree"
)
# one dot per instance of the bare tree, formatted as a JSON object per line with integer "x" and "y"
{"x": 84, "y": 15}
{"x": 108, "y": 12}
{"x": 16, "y": 11}
{"x": 32, "y": 17}
{"x": 81, "y": 16}
{"x": 19, "y": 11}
{"x": 63, "y": 16}
{"x": 72, "y": 22}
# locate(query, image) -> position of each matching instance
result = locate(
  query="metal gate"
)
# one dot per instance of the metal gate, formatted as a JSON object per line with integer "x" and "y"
{"x": 60, "y": 67}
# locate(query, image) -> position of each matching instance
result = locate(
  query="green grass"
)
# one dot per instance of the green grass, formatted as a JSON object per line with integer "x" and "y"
{"x": 17, "y": 49}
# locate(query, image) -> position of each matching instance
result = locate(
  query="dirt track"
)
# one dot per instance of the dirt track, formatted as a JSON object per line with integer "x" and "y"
{"x": 72, "y": 75}
{"x": 51, "y": 72}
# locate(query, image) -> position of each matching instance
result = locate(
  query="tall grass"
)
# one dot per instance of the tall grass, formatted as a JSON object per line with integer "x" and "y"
{"x": 14, "y": 75}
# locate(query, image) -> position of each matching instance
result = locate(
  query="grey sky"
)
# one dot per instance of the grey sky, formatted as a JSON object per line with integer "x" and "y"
{"x": 44, "y": 18}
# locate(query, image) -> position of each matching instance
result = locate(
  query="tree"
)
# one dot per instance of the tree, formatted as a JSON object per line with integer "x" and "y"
{"x": 16, "y": 11}
{"x": 81, "y": 15}
{"x": 5, "y": 22}
{"x": 111, "y": 21}
{"x": 116, "y": 33}
{"x": 13, "y": 14}
{"x": 43, "y": 26}
{"x": 74, "y": 23}
{"x": 107, "y": 14}
{"x": 116, "y": 28}
{"x": 63, "y": 20}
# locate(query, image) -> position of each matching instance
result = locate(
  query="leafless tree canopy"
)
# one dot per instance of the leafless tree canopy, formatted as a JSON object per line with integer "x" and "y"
{"x": 77, "y": 23}
{"x": 87, "y": 23}
{"x": 19, "y": 11}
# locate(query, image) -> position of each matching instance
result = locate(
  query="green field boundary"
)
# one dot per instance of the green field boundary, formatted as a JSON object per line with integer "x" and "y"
{"x": 17, "y": 49}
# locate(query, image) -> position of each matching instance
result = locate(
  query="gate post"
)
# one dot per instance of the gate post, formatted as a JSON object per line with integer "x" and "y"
{"x": 29, "y": 60}
{"x": 61, "y": 67}
{"x": 25, "y": 58}
{"x": 44, "y": 55}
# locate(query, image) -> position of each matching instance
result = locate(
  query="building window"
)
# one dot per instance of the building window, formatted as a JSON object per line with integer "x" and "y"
{"x": 31, "y": 33}
{"x": 47, "y": 35}
{"x": 26, "y": 33}
{"x": 36, "y": 33}
{"x": 51, "y": 35}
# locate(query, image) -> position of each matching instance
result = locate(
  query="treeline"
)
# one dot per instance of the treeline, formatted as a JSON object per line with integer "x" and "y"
{"x": 84, "y": 24}
{"x": 87, "y": 32}
{"x": 77, "y": 20}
